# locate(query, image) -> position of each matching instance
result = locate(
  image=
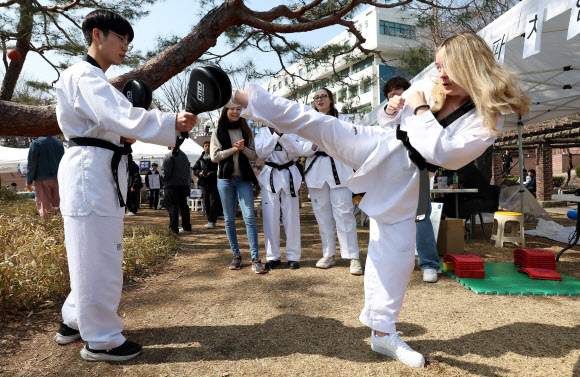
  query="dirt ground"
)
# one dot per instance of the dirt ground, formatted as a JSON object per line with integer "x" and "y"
{"x": 197, "y": 318}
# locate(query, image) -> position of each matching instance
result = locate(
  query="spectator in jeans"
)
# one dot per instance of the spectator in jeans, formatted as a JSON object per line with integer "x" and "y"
{"x": 177, "y": 179}
{"x": 153, "y": 191}
{"x": 44, "y": 157}
{"x": 232, "y": 147}
{"x": 425, "y": 237}
{"x": 206, "y": 172}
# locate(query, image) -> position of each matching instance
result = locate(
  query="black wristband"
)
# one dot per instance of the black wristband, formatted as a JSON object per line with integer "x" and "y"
{"x": 420, "y": 107}
{"x": 385, "y": 110}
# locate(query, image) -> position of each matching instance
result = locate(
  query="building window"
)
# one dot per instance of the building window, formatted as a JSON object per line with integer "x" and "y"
{"x": 353, "y": 91}
{"x": 280, "y": 85}
{"x": 367, "y": 86}
{"x": 347, "y": 44}
{"x": 301, "y": 72}
{"x": 309, "y": 68}
{"x": 363, "y": 110}
{"x": 342, "y": 95}
{"x": 362, "y": 64}
{"x": 396, "y": 30}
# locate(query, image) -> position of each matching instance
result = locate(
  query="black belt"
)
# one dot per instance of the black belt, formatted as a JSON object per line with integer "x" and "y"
{"x": 424, "y": 168}
{"x": 281, "y": 167}
{"x": 334, "y": 172}
{"x": 118, "y": 152}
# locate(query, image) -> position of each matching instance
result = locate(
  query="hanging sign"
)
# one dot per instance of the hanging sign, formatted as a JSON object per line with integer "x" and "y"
{"x": 498, "y": 47}
{"x": 533, "y": 35}
{"x": 574, "y": 26}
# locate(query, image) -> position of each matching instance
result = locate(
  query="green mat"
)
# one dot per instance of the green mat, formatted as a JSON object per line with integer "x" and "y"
{"x": 504, "y": 279}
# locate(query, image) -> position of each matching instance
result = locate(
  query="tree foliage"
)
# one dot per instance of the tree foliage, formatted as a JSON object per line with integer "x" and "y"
{"x": 31, "y": 27}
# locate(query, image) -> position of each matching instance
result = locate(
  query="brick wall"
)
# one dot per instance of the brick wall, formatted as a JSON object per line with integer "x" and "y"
{"x": 544, "y": 182}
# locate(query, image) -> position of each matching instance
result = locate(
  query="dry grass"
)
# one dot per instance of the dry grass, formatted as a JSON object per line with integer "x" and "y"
{"x": 33, "y": 265}
{"x": 197, "y": 318}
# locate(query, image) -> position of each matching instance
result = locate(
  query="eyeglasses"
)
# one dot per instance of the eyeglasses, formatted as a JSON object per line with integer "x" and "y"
{"x": 123, "y": 40}
{"x": 321, "y": 97}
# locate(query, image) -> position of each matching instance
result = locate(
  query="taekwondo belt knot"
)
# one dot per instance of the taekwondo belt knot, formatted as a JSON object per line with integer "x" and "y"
{"x": 281, "y": 167}
{"x": 118, "y": 152}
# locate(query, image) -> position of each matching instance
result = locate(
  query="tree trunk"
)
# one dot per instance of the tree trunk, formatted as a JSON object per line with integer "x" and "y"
{"x": 24, "y": 32}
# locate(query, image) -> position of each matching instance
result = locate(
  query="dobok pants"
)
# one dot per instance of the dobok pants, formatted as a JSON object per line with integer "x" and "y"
{"x": 390, "y": 261}
{"x": 334, "y": 208}
{"x": 94, "y": 248}
{"x": 272, "y": 203}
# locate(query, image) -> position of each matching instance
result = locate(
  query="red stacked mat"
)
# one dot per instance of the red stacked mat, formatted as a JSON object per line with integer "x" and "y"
{"x": 466, "y": 266}
{"x": 533, "y": 258}
{"x": 539, "y": 264}
{"x": 541, "y": 273}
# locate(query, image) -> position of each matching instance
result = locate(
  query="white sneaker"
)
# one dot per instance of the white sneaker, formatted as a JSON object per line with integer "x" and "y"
{"x": 356, "y": 267}
{"x": 210, "y": 225}
{"x": 131, "y": 214}
{"x": 326, "y": 262}
{"x": 392, "y": 345}
{"x": 181, "y": 230}
{"x": 430, "y": 275}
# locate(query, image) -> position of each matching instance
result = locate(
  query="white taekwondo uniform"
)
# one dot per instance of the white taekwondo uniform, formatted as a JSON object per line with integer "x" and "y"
{"x": 89, "y": 106}
{"x": 277, "y": 192}
{"x": 331, "y": 201}
{"x": 387, "y": 175}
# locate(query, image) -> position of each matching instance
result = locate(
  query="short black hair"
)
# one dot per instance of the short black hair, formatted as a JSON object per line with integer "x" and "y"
{"x": 207, "y": 142}
{"x": 13, "y": 184}
{"x": 395, "y": 83}
{"x": 154, "y": 164}
{"x": 532, "y": 171}
{"x": 106, "y": 20}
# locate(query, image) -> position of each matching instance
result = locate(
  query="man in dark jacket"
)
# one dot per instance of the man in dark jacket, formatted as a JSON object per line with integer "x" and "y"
{"x": 153, "y": 184}
{"x": 44, "y": 157}
{"x": 177, "y": 179}
{"x": 206, "y": 172}
{"x": 134, "y": 185}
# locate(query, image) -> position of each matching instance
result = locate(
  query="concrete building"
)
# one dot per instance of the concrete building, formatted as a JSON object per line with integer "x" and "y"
{"x": 356, "y": 81}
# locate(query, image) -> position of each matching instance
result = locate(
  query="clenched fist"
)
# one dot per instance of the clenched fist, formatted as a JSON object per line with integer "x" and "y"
{"x": 184, "y": 121}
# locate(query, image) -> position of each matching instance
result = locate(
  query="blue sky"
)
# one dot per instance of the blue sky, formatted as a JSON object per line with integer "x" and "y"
{"x": 177, "y": 17}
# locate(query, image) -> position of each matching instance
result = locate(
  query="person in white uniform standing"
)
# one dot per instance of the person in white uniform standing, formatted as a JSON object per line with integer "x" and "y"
{"x": 331, "y": 199}
{"x": 467, "y": 72}
{"x": 97, "y": 119}
{"x": 280, "y": 180}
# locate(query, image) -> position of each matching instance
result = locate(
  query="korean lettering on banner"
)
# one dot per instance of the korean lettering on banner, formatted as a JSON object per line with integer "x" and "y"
{"x": 574, "y": 26}
{"x": 498, "y": 47}
{"x": 144, "y": 167}
{"x": 533, "y": 35}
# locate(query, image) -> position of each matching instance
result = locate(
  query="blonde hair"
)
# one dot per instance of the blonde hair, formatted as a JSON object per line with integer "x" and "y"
{"x": 471, "y": 64}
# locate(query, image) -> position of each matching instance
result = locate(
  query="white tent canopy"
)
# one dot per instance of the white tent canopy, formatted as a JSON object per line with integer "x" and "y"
{"x": 152, "y": 151}
{"x": 10, "y": 158}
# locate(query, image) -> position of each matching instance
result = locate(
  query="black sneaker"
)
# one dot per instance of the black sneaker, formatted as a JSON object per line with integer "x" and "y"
{"x": 257, "y": 267}
{"x": 125, "y": 351}
{"x": 271, "y": 264}
{"x": 293, "y": 265}
{"x": 66, "y": 335}
{"x": 236, "y": 263}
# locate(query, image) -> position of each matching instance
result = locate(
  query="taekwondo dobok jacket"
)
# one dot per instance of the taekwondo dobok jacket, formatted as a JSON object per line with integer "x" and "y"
{"x": 321, "y": 171}
{"x": 278, "y": 149}
{"x": 89, "y": 106}
{"x": 383, "y": 168}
